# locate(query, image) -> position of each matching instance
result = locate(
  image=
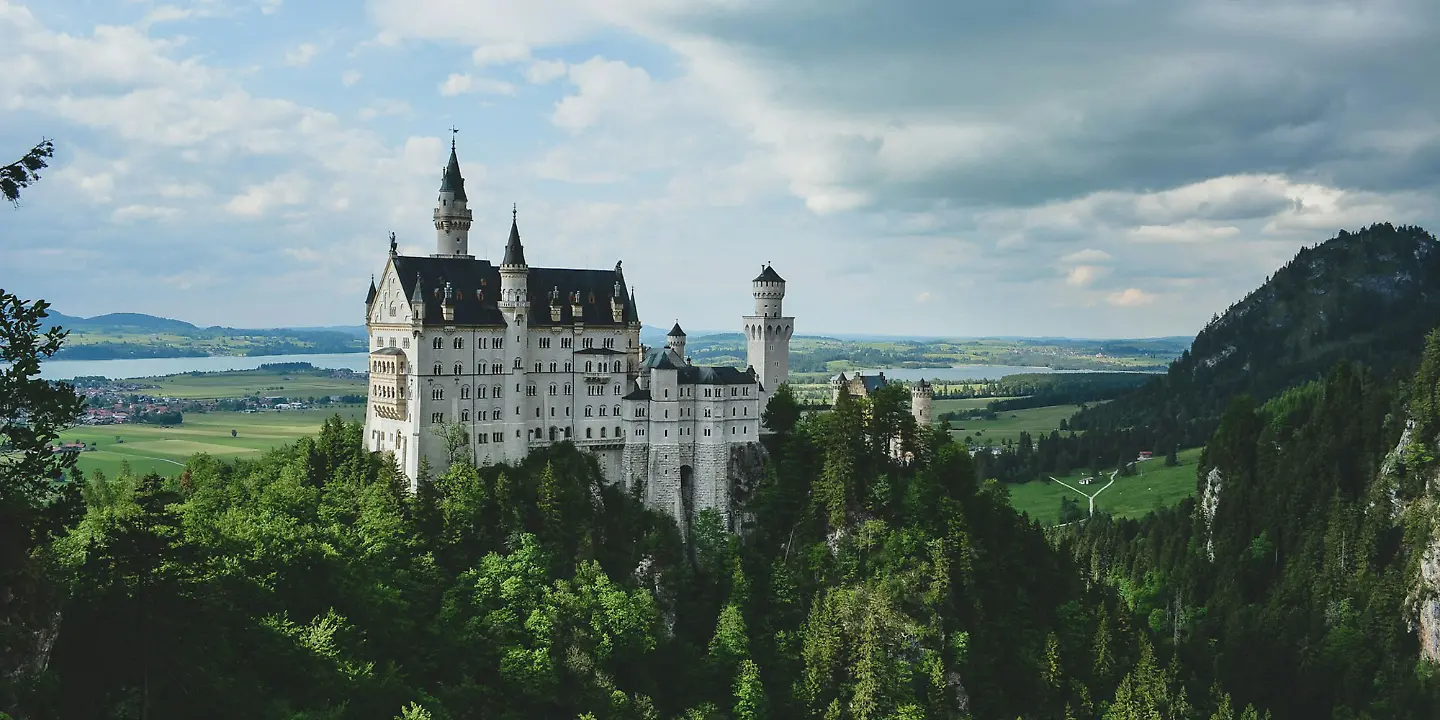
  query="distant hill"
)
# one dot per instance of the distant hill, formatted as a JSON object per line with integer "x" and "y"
{"x": 136, "y": 335}
{"x": 1369, "y": 296}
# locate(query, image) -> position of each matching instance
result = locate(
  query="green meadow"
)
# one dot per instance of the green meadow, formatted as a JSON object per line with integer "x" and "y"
{"x": 241, "y": 383}
{"x": 1007, "y": 425}
{"x": 165, "y": 449}
{"x": 1153, "y": 486}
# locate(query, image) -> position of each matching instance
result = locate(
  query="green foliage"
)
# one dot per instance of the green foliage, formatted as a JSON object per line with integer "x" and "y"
{"x": 24, "y": 172}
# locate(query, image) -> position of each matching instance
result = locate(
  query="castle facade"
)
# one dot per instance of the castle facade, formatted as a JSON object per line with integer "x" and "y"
{"x": 487, "y": 363}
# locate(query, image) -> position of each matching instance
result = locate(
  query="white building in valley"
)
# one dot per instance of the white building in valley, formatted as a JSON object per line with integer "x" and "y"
{"x": 511, "y": 358}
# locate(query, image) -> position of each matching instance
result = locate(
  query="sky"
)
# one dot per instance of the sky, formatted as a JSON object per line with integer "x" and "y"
{"x": 1082, "y": 168}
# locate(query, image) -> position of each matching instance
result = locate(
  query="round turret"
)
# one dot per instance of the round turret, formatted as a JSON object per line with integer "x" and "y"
{"x": 922, "y": 394}
{"x": 769, "y": 291}
{"x": 675, "y": 340}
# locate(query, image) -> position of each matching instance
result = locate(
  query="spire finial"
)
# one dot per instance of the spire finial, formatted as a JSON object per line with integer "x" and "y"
{"x": 514, "y": 212}
{"x": 453, "y": 132}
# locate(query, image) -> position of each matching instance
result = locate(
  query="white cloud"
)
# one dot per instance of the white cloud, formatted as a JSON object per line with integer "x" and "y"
{"x": 461, "y": 83}
{"x": 500, "y": 54}
{"x": 1084, "y": 275}
{"x": 132, "y": 213}
{"x": 384, "y": 107}
{"x": 605, "y": 88}
{"x": 301, "y": 55}
{"x": 541, "y": 72}
{"x": 1088, "y": 255}
{"x": 350, "y": 77}
{"x": 1130, "y": 297}
{"x": 257, "y": 200}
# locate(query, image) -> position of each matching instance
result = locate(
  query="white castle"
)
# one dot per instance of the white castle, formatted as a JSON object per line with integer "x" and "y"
{"x": 472, "y": 360}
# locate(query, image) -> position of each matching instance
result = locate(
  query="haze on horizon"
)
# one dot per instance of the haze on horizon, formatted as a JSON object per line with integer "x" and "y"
{"x": 1082, "y": 168}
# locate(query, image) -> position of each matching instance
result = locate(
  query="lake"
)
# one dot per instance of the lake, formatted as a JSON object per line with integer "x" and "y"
{"x": 153, "y": 367}
{"x": 961, "y": 373}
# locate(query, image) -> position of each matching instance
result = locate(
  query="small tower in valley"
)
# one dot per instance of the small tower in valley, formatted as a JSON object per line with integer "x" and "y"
{"x": 921, "y": 396}
{"x": 452, "y": 217}
{"x": 767, "y": 333}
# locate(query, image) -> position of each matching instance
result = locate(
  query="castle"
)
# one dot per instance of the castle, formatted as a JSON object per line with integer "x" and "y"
{"x": 922, "y": 396}
{"x": 487, "y": 363}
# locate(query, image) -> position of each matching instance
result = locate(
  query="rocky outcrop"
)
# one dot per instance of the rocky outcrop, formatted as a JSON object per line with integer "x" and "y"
{"x": 745, "y": 470}
{"x": 1209, "y": 504}
{"x": 1427, "y": 602}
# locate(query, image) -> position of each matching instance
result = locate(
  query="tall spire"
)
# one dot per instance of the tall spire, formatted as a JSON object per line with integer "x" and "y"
{"x": 451, "y": 181}
{"x": 514, "y": 251}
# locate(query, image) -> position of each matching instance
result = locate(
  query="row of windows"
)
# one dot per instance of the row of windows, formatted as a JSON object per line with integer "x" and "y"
{"x": 385, "y": 366}
{"x": 497, "y": 369}
{"x": 735, "y": 391}
{"x": 385, "y": 391}
{"x": 495, "y": 343}
{"x": 498, "y": 343}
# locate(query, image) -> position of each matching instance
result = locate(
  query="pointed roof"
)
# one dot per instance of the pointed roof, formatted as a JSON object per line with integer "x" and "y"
{"x": 418, "y": 296}
{"x": 768, "y": 274}
{"x": 370, "y": 296}
{"x": 514, "y": 251}
{"x": 676, "y": 331}
{"x": 451, "y": 181}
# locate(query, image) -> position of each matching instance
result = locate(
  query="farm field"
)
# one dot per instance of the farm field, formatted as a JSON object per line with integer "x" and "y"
{"x": 241, "y": 383}
{"x": 1153, "y": 485}
{"x": 164, "y": 450}
{"x": 1008, "y": 424}
{"x": 963, "y": 404}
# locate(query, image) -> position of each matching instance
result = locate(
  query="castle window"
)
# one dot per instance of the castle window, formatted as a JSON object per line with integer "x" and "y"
{"x": 589, "y": 411}
{"x": 745, "y": 411}
{"x": 437, "y": 394}
{"x": 438, "y": 369}
{"x": 554, "y": 389}
{"x": 569, "y": 389}
{"x": 495, "y": 414}
{"x": 518, "y": 364}
{"x": 544, "y": 343}
{"x": 497, "y": 437}
{"x": 587, "y": 343}
{"x": 437, "y": 343}
{"x": 707, "y": 432}
{"x": 464, "y": 392}
{"x": 392, "y": 342}
{"x": 405, "y": 343}
{"x": 437, "y": 418}
{"x": 480, "y": 343}
{"x": 495, "y": 391}
{"x": 667, "y": 433}
{"x": 667, "y": 414}
{"x": 609, "y": 343}
{"x": 602, "y": 411}
{"x": 530, "y": 391}
{"x": 552, "y": 411}
{"x": 552, "y": 367}
{"x": 552, "y": 431}
{"x": 499, "y": 343}
{"x": 482, "y": 370}
{"x": 569, "y": 367}
{"x": 667, "y": 392}
{"x": 617, "y": 431}
{"x": 459, "y": 343}
{"x": 588, "y": 432}
{"x": 588, "y": 366}
{"x": 745, "y": 430}
{"x": 459, "y": 368}
{"x": 602, "y": 432}
{"x": 392, "y": 309}
{"x": 617, "y": 411}
{"x": 495, "y": 369}
{"x": 567, "y": 343}
{"x": 482, "y": 438}
{"x": 617, "y": 388}
{"x": 464, "y": 416}
{"x": 537, "y": 414}
{"x": 402, "y": 392}
{"x": 567, "y": 433}
{"x": 517, "y": 412}
{"x": 539, "y": 366}
{"x": 379, "y": 342}
{"x": 707, "y": 412}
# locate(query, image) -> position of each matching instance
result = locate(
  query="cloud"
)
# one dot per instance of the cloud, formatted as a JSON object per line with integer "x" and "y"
{"x": 461, "y": 83}
{"x": 350, "y": 77}
{"x": 1130, "y": 297}
{"x": 541, "y": 72}
{"x": 500, "y": 54}
{"x": 1084, "y": 275}
{"x": 132, "y": 213}
{"x": 301, "y": 55}
{"x": 381, "y": 108}
{"x": 286, "y": 190}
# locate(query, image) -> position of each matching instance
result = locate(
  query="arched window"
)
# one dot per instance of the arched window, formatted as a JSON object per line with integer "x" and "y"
{"x": 437, "y": 343}
{"x": 587, "y": 432}
{"x": 588, "y": 365}
{"x": 569, "y": 367}
{"x": 539, "y": 366}
{"x": 437, "y": 394}
{"x": 482, "y": 369}
{"x": 617, "y": 411}
{"x": 459, "y": 368}
{"x": 707, "y": 412}
{"x": 518, "y": 365}
{"x": 495, "y": 369}
{"x": 617, "y": 388}
{"x": 589, "y": 411}
{"x": 464, "y": 416}
{"x": 602, "y": 432}
{"x": 617, "y": 431}
{"x": 438, "y": 369}
{"x": 569, "y": 389}
{"x": 552, "y": 367}
{"x": 464, "y": 392}
{"x": 495, "y": 413}
{"x": 554, "y": 388}
{"x": 459, "y": 343}
{"x": 602, "y": 411}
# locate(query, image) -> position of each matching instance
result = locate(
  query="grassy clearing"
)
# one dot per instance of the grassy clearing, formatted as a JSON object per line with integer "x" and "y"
{"x": 1009, "y": 424}
{"x": 1154, "y": 485}
{"x": 963, "y": 404}
{"x": 164, "y": 450}
{"x": 241, "y": 383}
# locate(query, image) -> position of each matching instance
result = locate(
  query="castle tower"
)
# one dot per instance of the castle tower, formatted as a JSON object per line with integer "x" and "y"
{"x": 675, "y": 340}
{"x": 515, "y": 306}
{"x": 921, "y": 396}
{"x": 767, "y": 333}
{"x": 452, "y": 217}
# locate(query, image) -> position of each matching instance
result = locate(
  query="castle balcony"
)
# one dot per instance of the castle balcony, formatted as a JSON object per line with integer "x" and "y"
{"x": 598, "y": 377}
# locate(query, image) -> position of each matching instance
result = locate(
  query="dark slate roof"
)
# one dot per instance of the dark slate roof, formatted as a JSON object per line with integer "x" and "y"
{"x": 370, "y": 296}
{"x": 873, "y": 382}
{"x": 768, "y": 274}
{"x": 388, "y": 351}
{"x": 476, "y": 284}
{"x": 676, "y": 331}
{"x": 708, "y": 375}
{"x": 661, "y": 358}
{"x": 451, "y": 181}
{"x": 514, "y": 251}
{"x": 599, "y": 351}
{"x": 637, "y": 394}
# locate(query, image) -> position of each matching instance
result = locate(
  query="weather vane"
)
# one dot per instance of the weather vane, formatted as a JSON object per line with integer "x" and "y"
{"x": 453, "y": 132}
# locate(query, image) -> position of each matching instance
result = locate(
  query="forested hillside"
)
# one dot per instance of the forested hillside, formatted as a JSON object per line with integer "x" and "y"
{"x": 1368, "y": 297}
